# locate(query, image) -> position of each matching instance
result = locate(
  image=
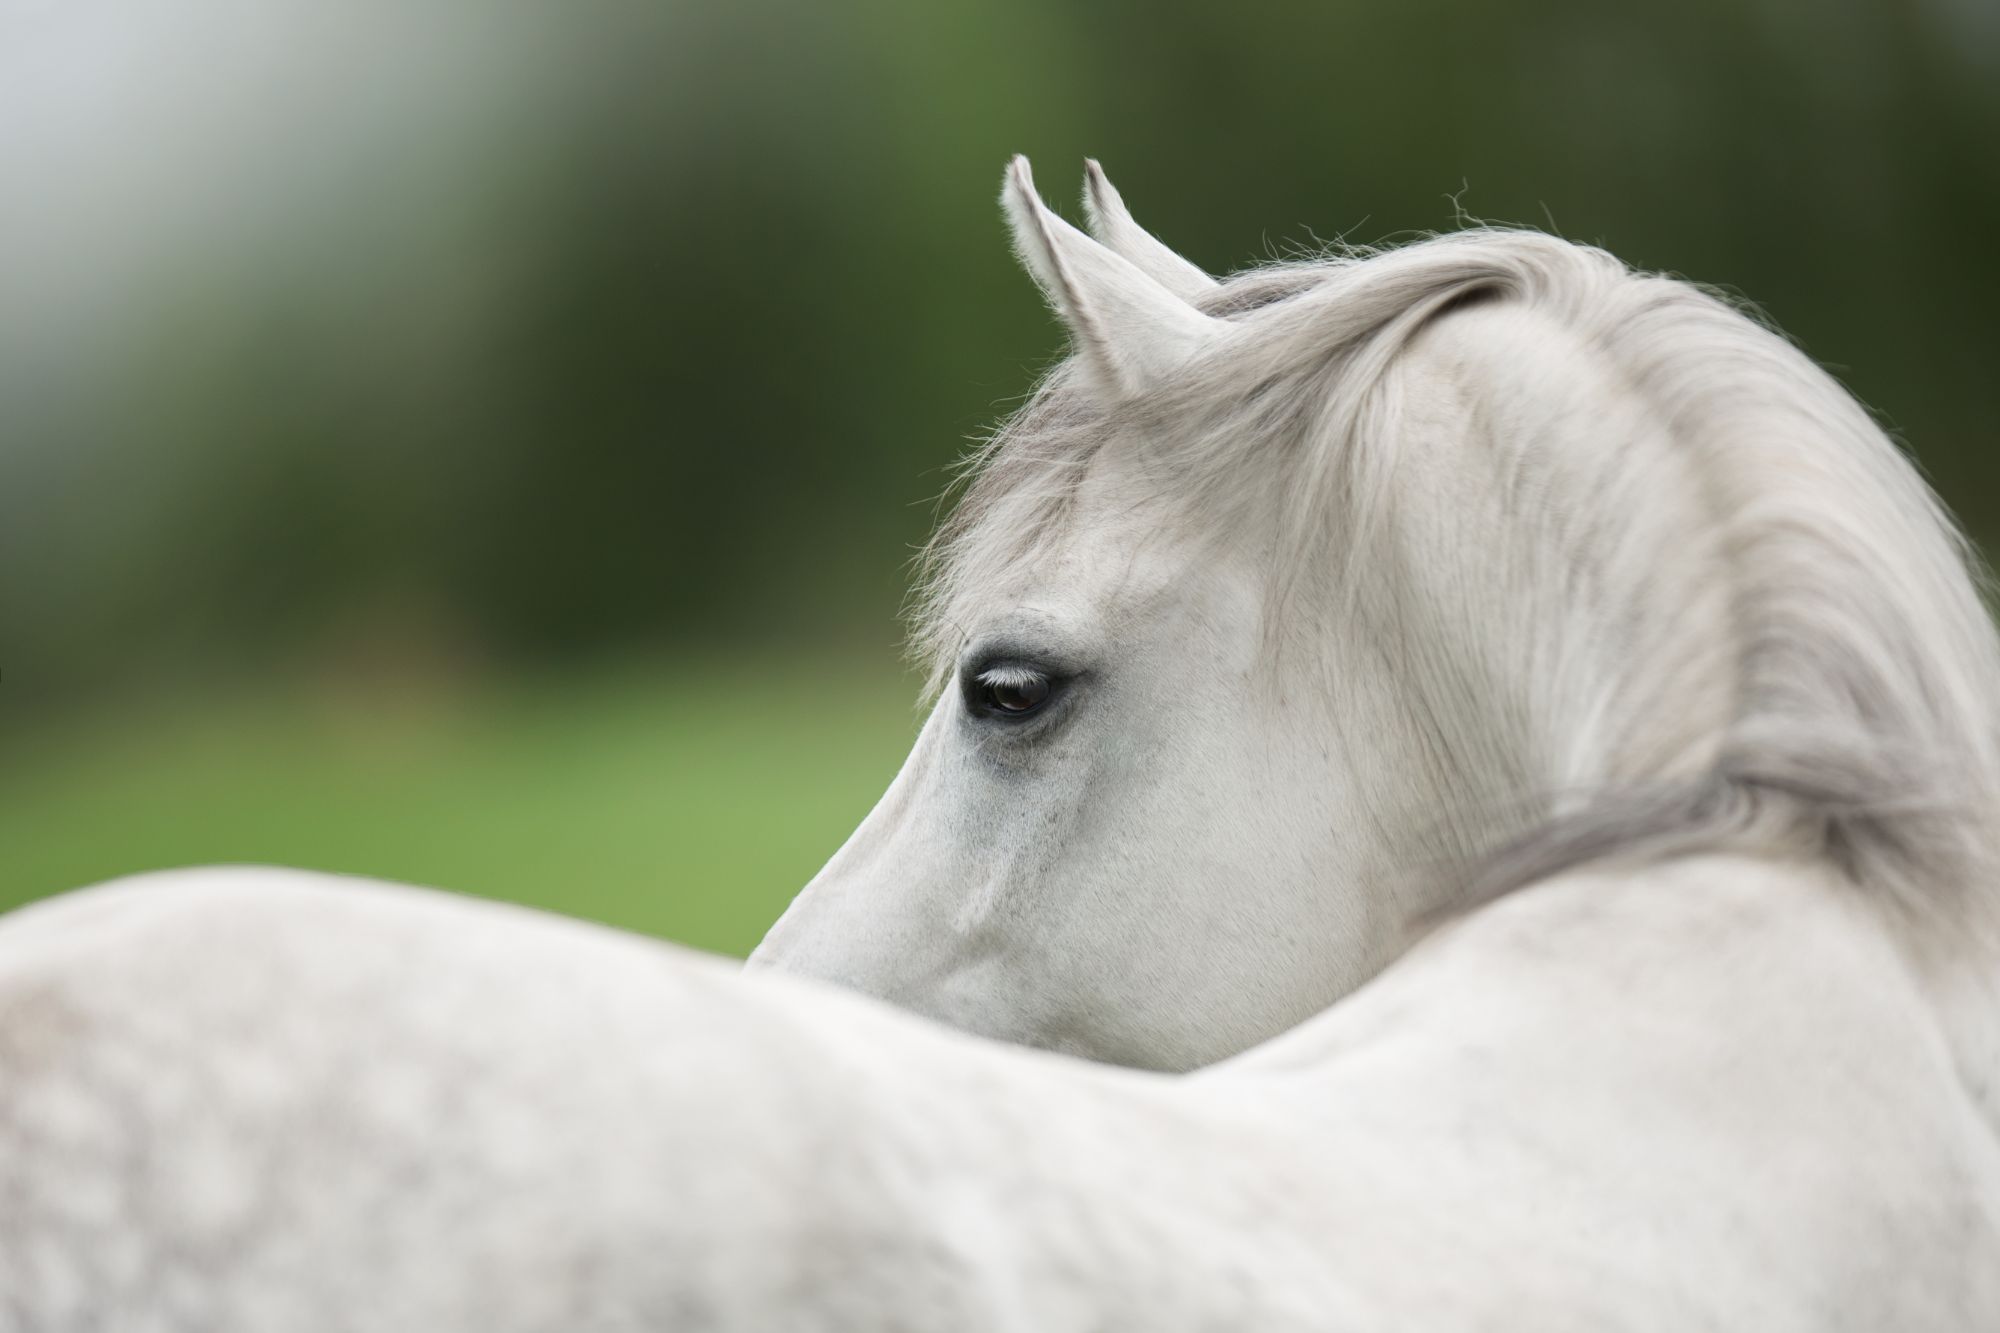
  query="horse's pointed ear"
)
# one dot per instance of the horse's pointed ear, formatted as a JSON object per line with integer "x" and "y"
{"x": 1112, "y": 223}
{"x": 1129, "y": 329}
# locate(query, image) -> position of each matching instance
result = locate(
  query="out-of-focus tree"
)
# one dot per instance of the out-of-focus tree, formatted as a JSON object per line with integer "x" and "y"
{"x": 522, "y": 332}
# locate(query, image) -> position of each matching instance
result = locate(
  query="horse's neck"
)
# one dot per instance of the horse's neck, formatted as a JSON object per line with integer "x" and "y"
{"x": 1708, "y": 1034}
{"x": 1606, "y": 592}
{"x": 1552, "y": 582}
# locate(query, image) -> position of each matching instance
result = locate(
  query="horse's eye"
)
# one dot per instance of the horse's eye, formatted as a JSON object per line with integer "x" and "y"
{"x": 1010, "y": 691}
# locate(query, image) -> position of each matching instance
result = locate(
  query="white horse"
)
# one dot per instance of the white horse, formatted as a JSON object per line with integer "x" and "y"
{"x": 1296, "y": 611}
{"x": 1480, "y": 581}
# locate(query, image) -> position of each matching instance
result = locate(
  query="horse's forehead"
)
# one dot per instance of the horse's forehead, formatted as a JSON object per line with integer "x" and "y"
{"x": 1132, "y": 575}
{"x": 1125, "y": 548}
{"x": 1117, "y": 546}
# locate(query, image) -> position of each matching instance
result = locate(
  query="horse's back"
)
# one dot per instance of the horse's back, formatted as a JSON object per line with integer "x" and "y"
{"x": 252, "y": 1100}
{"x": 265, "y": 1099}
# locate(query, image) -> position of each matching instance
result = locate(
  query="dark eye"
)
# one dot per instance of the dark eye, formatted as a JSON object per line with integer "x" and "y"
{"x": 1009, "y": 691}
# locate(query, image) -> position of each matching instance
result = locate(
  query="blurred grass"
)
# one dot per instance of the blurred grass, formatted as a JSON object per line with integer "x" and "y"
{"x": 689, "y": 801}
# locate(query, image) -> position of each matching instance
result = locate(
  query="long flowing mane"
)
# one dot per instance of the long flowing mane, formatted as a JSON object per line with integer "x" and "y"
{"x": 1866, "y": 717}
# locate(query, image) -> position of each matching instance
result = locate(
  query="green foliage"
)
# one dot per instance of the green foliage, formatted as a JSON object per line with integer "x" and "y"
{"x": 565, "y": 330}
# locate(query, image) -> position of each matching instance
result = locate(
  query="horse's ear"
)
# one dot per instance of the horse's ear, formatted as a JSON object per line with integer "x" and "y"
{"x": 1131, "y": 331}
{"x": 1112, "y": 223}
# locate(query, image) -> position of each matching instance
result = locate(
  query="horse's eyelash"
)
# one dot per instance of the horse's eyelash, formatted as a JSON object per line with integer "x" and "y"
{"x": 1009, "y": 675}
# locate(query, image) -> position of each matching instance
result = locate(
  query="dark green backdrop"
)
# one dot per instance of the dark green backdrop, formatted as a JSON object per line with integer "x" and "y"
{"x": 518, "y": 372}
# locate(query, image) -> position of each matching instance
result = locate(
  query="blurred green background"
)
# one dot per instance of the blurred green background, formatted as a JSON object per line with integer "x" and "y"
{"x": 481, "y": 443}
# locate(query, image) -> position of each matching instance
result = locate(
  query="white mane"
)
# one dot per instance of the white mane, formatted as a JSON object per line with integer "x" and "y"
{"x": 1864, "y": 670}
